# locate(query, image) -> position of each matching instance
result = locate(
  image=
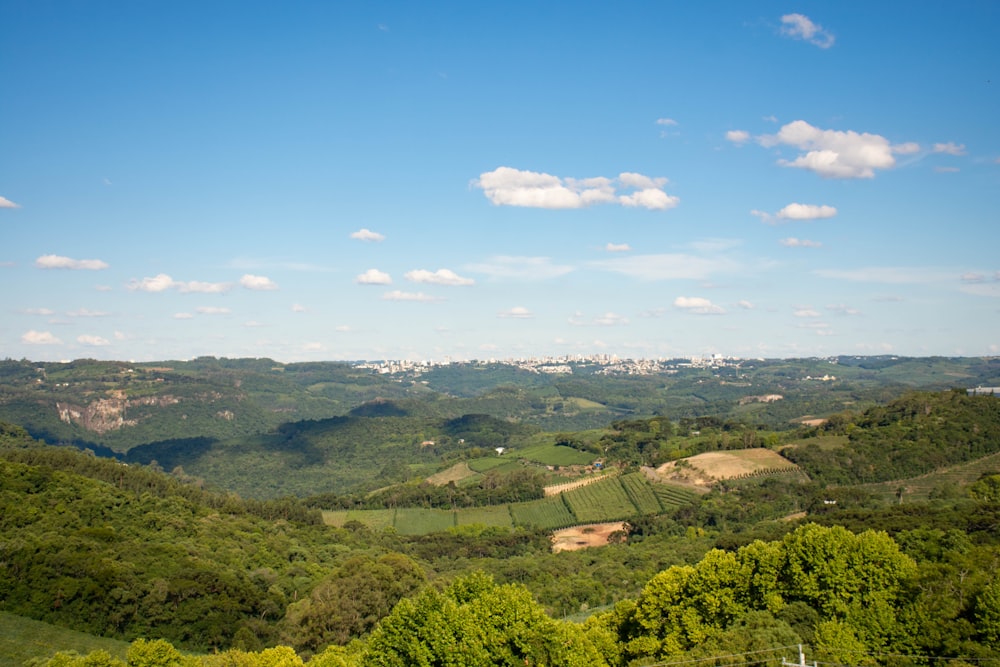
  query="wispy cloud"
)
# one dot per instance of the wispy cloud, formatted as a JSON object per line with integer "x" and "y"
{"x": 59, "y": 262}
{"x": 39, "y": 311}
{"x": 367, "y": 235}
{"x": 212, "y": 310}
{"x": 949, "y": 148}
{"x": 668, "y": 266}
{"x": 670, "y": 122}
{"x": 506, "y": 186}
{"x": 83, "y": 312}
{"x": 6, "y": 203}
{"x": 892, "y": 275}
{"x": 520, "y": 268}
{"x": 792, "y": 242}
{"x": 373, "y": 277}
{"x": 397, "y": 295}
{"x": 834, "y": 153}
{"x": 92, "y": 341}
{"x": 617, "y": 247}
{"x": 798, "y": 26}
{"x": 516, "y": 313}
{"x": 698, "y": 305}
{"x": 439, "y": 277}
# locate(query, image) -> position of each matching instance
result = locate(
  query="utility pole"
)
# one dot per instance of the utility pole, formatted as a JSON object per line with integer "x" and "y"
{"x": 800, "y": 663}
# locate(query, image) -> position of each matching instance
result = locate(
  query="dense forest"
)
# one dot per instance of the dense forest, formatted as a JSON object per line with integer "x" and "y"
{"x": 192, "y": 573}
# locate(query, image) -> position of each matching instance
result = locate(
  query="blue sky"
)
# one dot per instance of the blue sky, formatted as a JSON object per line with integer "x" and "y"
{"x": 328, "y": 180}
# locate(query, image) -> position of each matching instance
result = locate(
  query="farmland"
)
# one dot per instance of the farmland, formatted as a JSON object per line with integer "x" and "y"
{"x": 613, "y": 498}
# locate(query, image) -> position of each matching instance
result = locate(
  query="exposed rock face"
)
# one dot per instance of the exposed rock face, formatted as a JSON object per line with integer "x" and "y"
{"x": 109, "y": 414}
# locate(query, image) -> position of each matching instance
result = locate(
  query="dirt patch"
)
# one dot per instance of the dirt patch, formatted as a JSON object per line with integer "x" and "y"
{"x": 812, "y": 422}
{"x": 456, "y": 474}
{"x": 582, "y": 537}
{"x": 705, "y": 469}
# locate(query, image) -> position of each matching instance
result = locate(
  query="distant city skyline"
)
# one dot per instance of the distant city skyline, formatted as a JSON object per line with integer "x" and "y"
{"x": 334, "y": 181}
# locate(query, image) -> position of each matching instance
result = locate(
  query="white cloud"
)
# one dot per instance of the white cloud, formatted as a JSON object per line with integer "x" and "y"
{"x": 617, "y": 247}
{"x": 792, "y": 242}
{"x": 738, "y": 136}
{"x": 203, "y": 288}
{"x": 397, "y": 295}
{"x": 745, "y": 305}
{"x": 95, "y": 341}
{"x": 439, "y": 277}
{"x": 212, "y": 310}
{"x": 666, "y": 121}
{"x": 833, "y": 153}
{"x": 183, "y": 316}
{"x": 38, "y": 311}
{"x": 83, "y": 312}
{"x": 252, "y": 324}
{"x": 506, "y": 186}
{"x": 367, "y": 235}
{"x": 373, "y": 277}
{"x": 520, "y": 268}
{"x": 668, "y": 266}
{"x": 39, "y": 338}
{"x": 253, "y": 282}
{"x": 698, "y": 305}
{"x": 342, "y": 328}
{"x": 298, "y": 308}
{"x": 796, "y": 211}
{"x": 6, "y": 203}
{"x": 517, "y": 313}
{"x": 162, "y": 282}
{"x": 949, "y": 148}
{"x": 798, "y": 26}
{"x": 805, "y": 311}
{"x": 650, "y": 198}
{"x": 58, "y": 262}
{"x": 158, "y": 283}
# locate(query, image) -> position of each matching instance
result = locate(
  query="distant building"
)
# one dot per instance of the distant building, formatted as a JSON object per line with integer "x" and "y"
{"x": 984, "y": 391}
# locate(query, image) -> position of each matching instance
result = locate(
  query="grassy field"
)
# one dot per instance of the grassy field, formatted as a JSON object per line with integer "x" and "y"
{"x": 22, "y": 639}
{"x": 456, "y": 473}
{"x": 551, "y": 455}
{"x": 601, "y": 501}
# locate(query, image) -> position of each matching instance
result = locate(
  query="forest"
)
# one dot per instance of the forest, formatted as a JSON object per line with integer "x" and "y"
{"x": 882, "y": 549}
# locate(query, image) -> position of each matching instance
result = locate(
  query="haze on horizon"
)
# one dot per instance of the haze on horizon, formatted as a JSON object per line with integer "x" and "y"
{"x": 326, "y": 181}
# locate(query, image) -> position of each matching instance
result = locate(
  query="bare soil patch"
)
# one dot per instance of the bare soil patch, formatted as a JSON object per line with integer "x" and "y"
{"x": 812, "y": 422}
{"x": 706, "y": 469}
{"x": 456, "y": 473}
{"x": 582, "y": 537}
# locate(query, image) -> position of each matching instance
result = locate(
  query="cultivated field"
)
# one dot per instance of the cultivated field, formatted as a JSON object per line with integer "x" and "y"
{"x": 609, "y": 498}
{"x": 703, "y": 470}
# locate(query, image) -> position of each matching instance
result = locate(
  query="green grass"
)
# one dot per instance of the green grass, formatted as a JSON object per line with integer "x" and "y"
{"x": 487, "y": 516}
{"x": 490, "y": 463}
{"x": 22, "y": 639}
{"x": 671, "y": 496}
{"x": 417, "y": 521}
